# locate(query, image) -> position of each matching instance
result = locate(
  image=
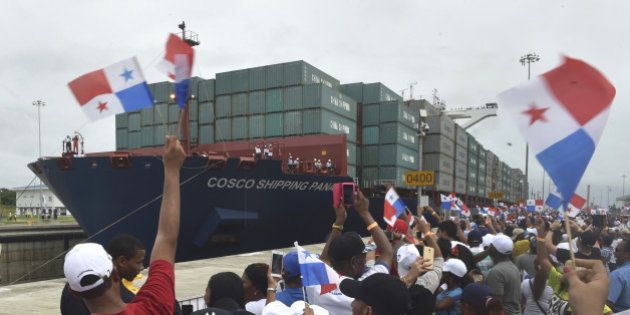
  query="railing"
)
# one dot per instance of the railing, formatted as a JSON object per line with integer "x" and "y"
{"x": 196, "y": 302}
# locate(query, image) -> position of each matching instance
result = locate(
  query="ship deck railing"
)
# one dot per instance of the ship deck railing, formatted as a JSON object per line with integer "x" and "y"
{"x": 197, "y": 302}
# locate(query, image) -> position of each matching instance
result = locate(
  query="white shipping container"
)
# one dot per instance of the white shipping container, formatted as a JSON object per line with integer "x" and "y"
{"x": 438, "y": 144}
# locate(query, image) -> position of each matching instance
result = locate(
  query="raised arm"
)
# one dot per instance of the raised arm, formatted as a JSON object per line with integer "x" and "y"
{"x": 168, "y": 227}
{"x": 542, "y": 258}
{"x": 362, "y": 206}
{"x": 337, "y": 228}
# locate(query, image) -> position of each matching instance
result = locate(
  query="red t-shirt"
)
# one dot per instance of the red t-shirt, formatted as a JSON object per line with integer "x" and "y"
{"x": 157, "y": 295}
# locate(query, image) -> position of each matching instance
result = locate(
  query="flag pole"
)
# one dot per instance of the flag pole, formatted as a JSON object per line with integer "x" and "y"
{"x": 164, "y": 126}
{"x": 567, "y": 227}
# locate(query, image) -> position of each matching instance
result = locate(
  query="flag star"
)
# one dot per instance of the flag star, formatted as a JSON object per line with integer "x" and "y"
{"x": 535, "y": 113}
{"x": 102, "y": 106}
{"x": 127, "y": 74}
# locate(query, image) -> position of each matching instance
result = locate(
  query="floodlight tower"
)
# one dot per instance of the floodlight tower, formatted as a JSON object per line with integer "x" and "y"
{"x": 528, "y": 60}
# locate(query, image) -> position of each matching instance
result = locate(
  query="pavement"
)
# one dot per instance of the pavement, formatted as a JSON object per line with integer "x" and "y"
{"x": 191, "y": 279}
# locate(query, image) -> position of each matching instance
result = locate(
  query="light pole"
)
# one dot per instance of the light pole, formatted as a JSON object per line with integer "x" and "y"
{"x": 528, "y": 60}
{"x": 39, "y": 104}
{"x": 608, "y": 197}
{"x": 623, "y": 189}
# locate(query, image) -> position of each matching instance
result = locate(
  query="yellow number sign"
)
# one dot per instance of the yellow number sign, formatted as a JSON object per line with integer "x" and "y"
{"x": 420, "y": 178}
{"x": 495, "y": 195}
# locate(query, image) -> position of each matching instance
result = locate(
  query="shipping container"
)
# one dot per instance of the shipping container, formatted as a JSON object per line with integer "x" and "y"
{"x": 135, "y": 139}
{"x": 369, "y": 176}
{"x": 147, "y": 116}
{"x": 482, "y": 153}
{"x": 239, "y": 104}
{"x": 471, "y": 190}
{"x": 162, "y": 92}
{"x": 159, "y": 132}
{"x": 441, "y": 124}
{"x": 239, "y": 128}
{"x": 443, "y": 182}
{"x": 460, "y": 169}
{"x": 369, "y": 154}
{"x": 321, "y": 121}
{"x": 461, "y": 136}
{"x": 134, "y": 122}
{"x": 240, "y": 81}
{"x": 147, "y": 137}
{"x": 194, "y": 132}
{"x": 482, "y": 165}
{"x": 292, "y": 123}
{"x": 301, "y": 73}
{"x": 193, "y": 110}
{"x": 394, "y": 175}
{"x": 274, "y": 125}
{"x": 397, "y": 111}
{"x": 371, "y": 114}
{"x": 223, "y": 106}
{"x": 206, "y": 134}
{"x": 399, "y": 134}
{"x": 122, "y": 139}
{"x": 206, "y": 112}
{"x": 352, "y": 171}
{"x": 351, "y": 153}
{"x": 223, "y": 129}
{"x": 274, "y": 76}
{"x": 160, "y": 113}
{"x": 321, "y": 96}
{"x": 122, "y": 121}
{"x": 256, "y": 102}
{"x": 370, "y": 135}
{"x": 292, "y": 97}
{"x": 173, "y": 113}
{"x": 461, "y": 154}
{"x": 438, "y": 144}
{"x": 397, "y": 155}
{"x": 482, "y": 191}
{"x": 424, "y": 104}
{"x": 257, "y": 78}
{"x": 438, "y": 163}
{"x": 472, "y": 175}
{"x": 273, "y": 101}
{"x": 223, "y": 83}
{"x": 205, "y": 91}
{"x": 256, "y": 126}
{"x": 378, "y": 92}
{"x": 353, "y": 90}
{"x": 473, "y": 146}
{"x": 460, "y": 185}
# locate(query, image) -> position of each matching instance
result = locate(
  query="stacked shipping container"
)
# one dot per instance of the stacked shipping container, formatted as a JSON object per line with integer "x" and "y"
{"x": 439, "y": 152}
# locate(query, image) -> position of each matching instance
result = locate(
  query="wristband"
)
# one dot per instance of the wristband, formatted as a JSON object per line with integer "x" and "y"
{"x": 371, "y": 226}
{"x": 337, "y": 227}
{"x": 429, "y": 234}
{"x": 541, "y": 239}
{"x": 271, "y": 290}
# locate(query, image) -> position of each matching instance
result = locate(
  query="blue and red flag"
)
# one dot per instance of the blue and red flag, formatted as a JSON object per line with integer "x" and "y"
{"x": 393, "y": 207}
{"x": 177, "y": 64}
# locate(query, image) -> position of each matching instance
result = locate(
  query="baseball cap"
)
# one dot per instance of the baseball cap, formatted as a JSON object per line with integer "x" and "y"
{"x": 503, "y": 244}
{"x": 455, "y": 266}
{"x": 291, "y": 265}
{"x": 86, "y": 266}
{"x": 474, "y": 237}
{"x": 386, "y": 294}
{"x": 588, "y": 238}
{"x": 406, "y": 256}
{"x": 476, "y": 294}
{"x": 516, "y": 232}
{"x": 346, "y": 246}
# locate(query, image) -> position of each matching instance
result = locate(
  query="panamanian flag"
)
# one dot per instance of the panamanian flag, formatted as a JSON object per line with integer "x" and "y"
{"x": 562, "y": 115}
{"x": 112, "y": 90}
{"x": 316, "y": 272}
{"x": 177, "y": 64}
{"x": 393, "y": 207}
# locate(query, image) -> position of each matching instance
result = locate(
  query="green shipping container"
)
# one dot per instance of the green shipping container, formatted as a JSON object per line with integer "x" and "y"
{"x": 257, "y": 78}
{"x": 369, "y": 176}
{"x": 148, "y": 139}
{"x": 321, "y": 96}
{"x": 274, "y": 76}
{"x": 205, "y": 91}
{"x": 135, "y": 140}
{"x": 370, "y": 135}
{"x": 240, "y": 81}
{"x": 239, "y": 128}
{"x": 397, "y": 155}
{"x": 397, "y": 133}
{"x": 292, "y": 97}
{"x": 256, "y": 126}
{"x": 369, "y": 154}
{"x": 134, "y": 122}
{"x": 223, "y": 129}
{"x": 122, "y": 121}
{"x": 194, "y": 132}
{"x": 320, "y": 121}
{"x": 223, "y": 83}
{"x": 193, "y": 110}
{"x": 393, "y": 174}
{"x": 352, "y": 171}
{"x": 353, "y": 90}
{"x": 159, "y": 132}
{"x": 292, "y": 123}
{"x": 162, "y": 92}
{"x": 378, "y": 92}
{"x": 223, "y": 106}
{"x": 351, "y": 153}
{"x": 206, "y": 113}
{"x": 273, "y": 125}
{"x": 256, "y": 102}
{"x": 160, "y": 113}
{"x": 206, "y": 134}
{"x": 301, "y": 72}
{"x": 371, "y": 114}
{"x": 273, "y": 101}
{"x": 239, "y": 104}
{"x": 397, "y": 111}
{"x": 173, "y": 113}
{"x": 122, "y": 140}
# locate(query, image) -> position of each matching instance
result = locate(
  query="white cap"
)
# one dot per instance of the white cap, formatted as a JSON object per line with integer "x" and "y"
{"x": 503, "y": 244}
{"x": 455, "y": 266}
{"x": 298, "y": 308}
{"x": 84, "y": 260}
{"x": 487, "y": 240}
{"x": 406, "y": 256}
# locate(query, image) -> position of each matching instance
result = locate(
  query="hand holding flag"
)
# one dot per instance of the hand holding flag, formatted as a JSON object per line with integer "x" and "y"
{"x": 316, "y": 272}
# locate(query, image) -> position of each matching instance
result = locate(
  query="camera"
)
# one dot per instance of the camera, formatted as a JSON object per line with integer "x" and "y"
{"x": 425, "y": 127}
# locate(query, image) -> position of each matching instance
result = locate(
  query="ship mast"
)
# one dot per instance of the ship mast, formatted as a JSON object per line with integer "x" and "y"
{"x": 191, "y": 39}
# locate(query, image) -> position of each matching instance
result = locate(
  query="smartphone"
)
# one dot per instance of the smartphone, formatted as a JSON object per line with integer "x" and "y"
{"x": 348, "y": 190}
{"x": 598, "y": 220}
{"x": 276, "y": 263}
{"x": 390, "y": 235}
{"x": 428, "y": 253}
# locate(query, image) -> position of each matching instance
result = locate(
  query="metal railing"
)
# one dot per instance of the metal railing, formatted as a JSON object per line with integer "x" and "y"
{"x": 197, "y": 303}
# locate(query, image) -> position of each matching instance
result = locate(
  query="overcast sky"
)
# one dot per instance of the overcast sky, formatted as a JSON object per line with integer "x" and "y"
{"x": 468, "y": 50}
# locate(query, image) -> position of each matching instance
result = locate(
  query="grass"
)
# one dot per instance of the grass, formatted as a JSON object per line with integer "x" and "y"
{"x": 23, "y": 220}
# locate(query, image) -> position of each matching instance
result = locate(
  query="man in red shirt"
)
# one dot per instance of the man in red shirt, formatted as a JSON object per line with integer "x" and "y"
{"x": 90, "y": 272}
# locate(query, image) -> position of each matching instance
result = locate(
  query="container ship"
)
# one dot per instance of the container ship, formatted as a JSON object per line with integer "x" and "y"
{"x": 234, "y": 202}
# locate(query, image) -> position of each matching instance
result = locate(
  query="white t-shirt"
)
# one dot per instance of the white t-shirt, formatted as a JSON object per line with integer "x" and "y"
{"x": 335, "y": 302}
{"x": 256, "y": 307}
{"x": 530, "y": 305}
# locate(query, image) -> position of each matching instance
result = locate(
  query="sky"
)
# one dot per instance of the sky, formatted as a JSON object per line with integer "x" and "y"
{"x": 468, "y": 50}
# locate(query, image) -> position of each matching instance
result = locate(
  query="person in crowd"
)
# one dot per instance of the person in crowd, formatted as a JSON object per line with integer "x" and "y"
{"x": 584, "y": 243}
{"x": 127, "y": 254}
{"x": 290, "y": 164}
{"x": 536, "y": 294}
{"x": 278, "y": 308}
{"x": 224, "y": 295}
{"x": 329, "y": 166}
{"x": 504, "y": 278}
{"x": 255, "y": 287}
{"x": 451, "y": 232}
{"x": 521, "y": 243}
{"x": 619, "y": 290}
{"x": 292, "y": 280}
{"x": 525, "y": 262}
{"x": 378, "y": 294}
{"x": 477, "y": 299}
{"x": 453, "y": 273}
{"x": 257, "y": 152}
{"x": 607, "y": 251}
{"x": 90, "y": 271}
{"x": 475, "y": 242}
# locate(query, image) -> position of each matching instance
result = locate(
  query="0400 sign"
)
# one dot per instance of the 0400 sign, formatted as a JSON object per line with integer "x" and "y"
{"x": 420, "y": 178}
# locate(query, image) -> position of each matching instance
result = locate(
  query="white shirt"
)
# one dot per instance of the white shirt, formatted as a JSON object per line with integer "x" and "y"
{"x": 531, "y": 308}
{"x": 335, "y": 302}
{"x": 256, "y": 307}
